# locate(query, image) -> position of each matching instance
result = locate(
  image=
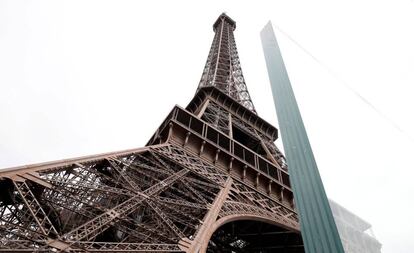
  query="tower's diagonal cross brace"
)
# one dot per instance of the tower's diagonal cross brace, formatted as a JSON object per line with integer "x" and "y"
{"x": 191, "y": 162}
{"x": 93, "y": 227}
{"x": 181, "y": 203}
{"x": 166, "y": 219}
{"x": 134, "y": 187}
{"x": 44, "y": 224}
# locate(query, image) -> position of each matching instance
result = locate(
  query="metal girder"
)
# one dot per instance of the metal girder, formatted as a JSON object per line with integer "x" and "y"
{"x": 166, "y": 219}
{"x": 124, "y": 175}
{"x": 223, "y": 69}
{"x": 93, "y": 227}
{"x": 130, "y": 247}
{"x": 161, "y": 198}
{"x": 191, "y": 162}
{"x": 44, "y": 225}
{"x": 181, "y": 203}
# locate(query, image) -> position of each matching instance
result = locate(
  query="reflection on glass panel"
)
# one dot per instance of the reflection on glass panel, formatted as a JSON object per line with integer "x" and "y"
{"x": 356, "y": 234}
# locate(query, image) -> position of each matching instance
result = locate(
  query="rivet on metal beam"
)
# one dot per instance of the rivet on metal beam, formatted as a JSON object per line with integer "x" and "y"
{"x": 202, "y": 147}
{"x": 282, "y": 194}
{"x": 170, "y": 129}
{"x": 244, "y": 172}
{"x": 217, "y": 155}
{"x": 269, "y": 187}
{"x": 230, "y": 164}
{"x": 256, "y": 181}
{"x": 187, "y": 136}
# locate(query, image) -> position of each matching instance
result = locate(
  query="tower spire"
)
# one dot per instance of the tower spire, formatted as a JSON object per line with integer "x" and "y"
{"x": 223, "y": 69}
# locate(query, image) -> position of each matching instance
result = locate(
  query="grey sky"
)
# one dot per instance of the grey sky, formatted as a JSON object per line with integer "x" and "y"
{"x": 84, "y": 77}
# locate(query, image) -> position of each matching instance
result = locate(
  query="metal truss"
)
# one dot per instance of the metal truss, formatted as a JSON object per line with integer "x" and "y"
{"x": 201, "y": 169}
{"x": 223, "y": 120}
{"x": 105, "y": 206}
{"x": 223, "y": 69}
{"x": 75, "y": 207}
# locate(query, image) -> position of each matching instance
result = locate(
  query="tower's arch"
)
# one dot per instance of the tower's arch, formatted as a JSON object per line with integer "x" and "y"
{"x": 251, "y": 233}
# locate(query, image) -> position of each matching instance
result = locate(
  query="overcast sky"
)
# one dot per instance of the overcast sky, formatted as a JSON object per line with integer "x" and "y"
{"x": 85, "y": 77}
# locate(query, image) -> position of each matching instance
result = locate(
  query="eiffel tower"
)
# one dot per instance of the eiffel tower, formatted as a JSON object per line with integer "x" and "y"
{"x": 209, "y": 180}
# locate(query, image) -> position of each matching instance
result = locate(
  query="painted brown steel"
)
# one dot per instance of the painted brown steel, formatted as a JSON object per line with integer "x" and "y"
{"x": 223, "y": 69}
{"x": 207, "y": 165}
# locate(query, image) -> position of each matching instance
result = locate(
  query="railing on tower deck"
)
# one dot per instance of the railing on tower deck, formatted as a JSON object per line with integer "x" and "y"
{"x": 190, "y": 122}
{"x": 235, "y": 108}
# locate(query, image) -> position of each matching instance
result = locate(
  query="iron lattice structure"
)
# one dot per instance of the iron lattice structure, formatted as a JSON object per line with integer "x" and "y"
{"x": 223, "y": 69}
{"x": 209, "y": 180}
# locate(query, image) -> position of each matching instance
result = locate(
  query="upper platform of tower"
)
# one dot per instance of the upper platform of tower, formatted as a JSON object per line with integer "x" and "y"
{"x": 223, "y": 68}
{"x": 220, "y": 123}
{"x": 224, "y": 18}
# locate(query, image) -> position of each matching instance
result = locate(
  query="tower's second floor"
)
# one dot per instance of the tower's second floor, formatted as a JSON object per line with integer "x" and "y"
{"x": 219, "y": 130}
{"x": 221, "y": 125}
